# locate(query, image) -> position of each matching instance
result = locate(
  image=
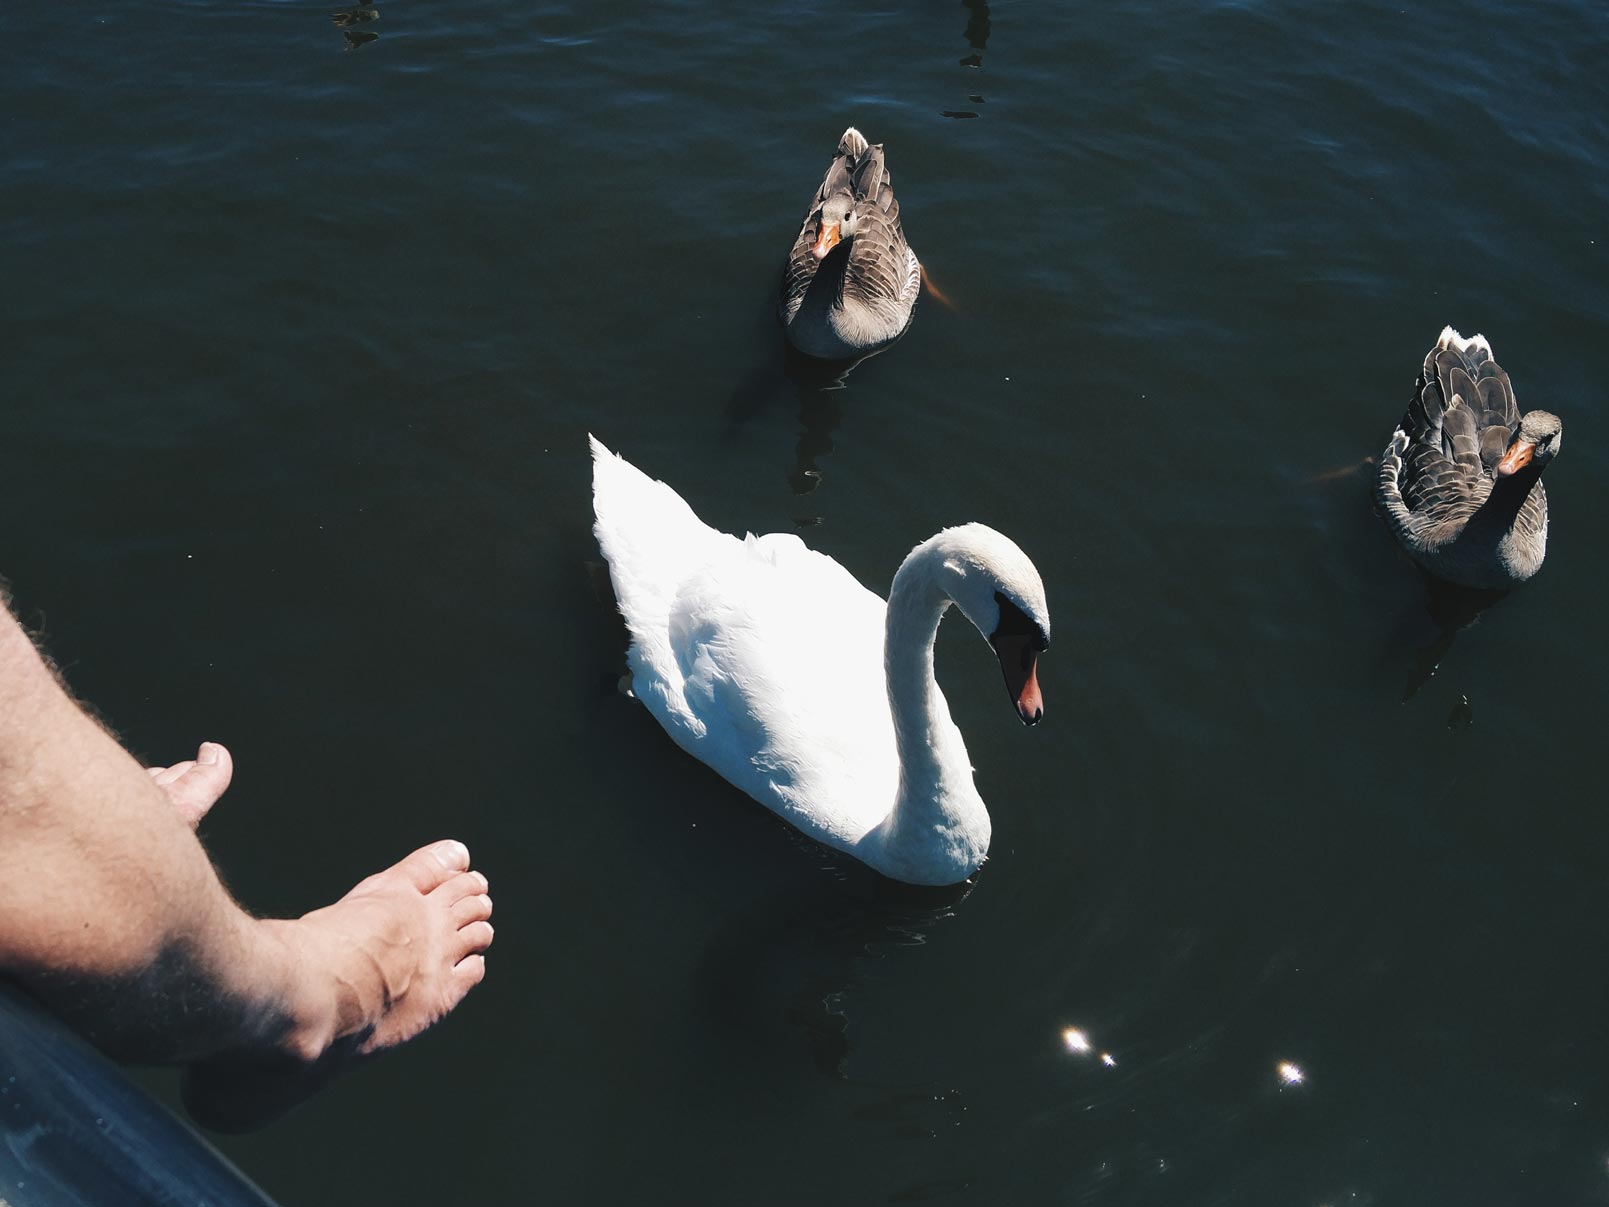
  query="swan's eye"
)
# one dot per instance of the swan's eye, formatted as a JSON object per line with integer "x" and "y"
{"x": 1014, "y": 622}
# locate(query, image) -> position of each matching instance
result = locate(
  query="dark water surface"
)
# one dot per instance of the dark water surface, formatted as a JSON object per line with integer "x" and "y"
{"x": 303, "y": 345}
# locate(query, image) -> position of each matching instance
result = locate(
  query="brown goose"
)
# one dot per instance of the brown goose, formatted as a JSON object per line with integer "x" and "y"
{"x": 1460, "y": 481}
{"x": 851, "y": 281}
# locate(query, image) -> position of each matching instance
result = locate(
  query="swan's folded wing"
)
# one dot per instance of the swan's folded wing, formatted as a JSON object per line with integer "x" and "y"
{"x": 779, "y": 652}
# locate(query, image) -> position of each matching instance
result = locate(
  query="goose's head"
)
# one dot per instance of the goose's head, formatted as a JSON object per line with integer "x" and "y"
{"x": 1536, "y": 443}
{"x": 998, "y": 589}
{"x": 836, "y": 221}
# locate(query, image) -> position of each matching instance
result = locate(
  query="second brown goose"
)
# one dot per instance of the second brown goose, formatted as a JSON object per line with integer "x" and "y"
{"x": 1460, "y": 482}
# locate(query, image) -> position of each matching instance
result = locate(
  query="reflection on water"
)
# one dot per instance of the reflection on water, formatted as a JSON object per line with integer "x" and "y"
{"x": 819, "y": 413}
{"x": 357, "y": 14}
{"x": 818, "y": 392}
{"x": 977, "y": 30}
{"x": 977, "y": 35}
{"x": 819, "y": 387}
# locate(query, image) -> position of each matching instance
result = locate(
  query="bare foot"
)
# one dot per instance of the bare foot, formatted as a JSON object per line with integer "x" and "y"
{"x": 422, "y": 924}
{"x": 195, "y": 785}
{"x": 383, "y": 963}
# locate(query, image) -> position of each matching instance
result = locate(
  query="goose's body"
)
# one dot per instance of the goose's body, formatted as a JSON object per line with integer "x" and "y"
{"x": 850, "y": 285}
{"x": 1460, "y": 482}
{"x": 770, "y": 663}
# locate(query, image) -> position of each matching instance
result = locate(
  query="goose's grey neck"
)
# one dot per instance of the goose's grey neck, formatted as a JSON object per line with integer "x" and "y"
{"x": 1502, "y": 507}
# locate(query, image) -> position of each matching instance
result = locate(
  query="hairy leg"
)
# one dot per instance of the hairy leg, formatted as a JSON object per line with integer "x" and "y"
{"x": 111, "y": 912}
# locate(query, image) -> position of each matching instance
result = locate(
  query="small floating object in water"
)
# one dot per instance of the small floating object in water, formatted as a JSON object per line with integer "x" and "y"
{"x": 1290, "y": 1073}
{"x": 354, "y": 40}
{"x": 356, "y": 15}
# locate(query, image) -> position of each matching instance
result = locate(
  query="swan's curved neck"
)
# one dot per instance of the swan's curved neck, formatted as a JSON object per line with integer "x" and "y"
{"x": 937, "y": 814}
{"x": 916, "y": 604}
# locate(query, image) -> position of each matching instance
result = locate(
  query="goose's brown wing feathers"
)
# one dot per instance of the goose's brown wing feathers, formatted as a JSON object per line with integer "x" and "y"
{"x": 1459, "y": 423}
{"x": 878, "y": 261}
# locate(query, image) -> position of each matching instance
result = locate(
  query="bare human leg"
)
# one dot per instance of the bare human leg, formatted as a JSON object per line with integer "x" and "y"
{"x": 111, "y": 912}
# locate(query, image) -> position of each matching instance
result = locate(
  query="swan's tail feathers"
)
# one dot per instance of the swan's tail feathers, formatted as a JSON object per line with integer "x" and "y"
{"x": 648, "y": 534}
{"x": 853, "y": 144}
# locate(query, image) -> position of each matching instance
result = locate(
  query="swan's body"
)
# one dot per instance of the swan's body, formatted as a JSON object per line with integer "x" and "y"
{"x": 850, "y": 285}
{"x": 1460, "y": 482}
{"x": 799, "y": 686}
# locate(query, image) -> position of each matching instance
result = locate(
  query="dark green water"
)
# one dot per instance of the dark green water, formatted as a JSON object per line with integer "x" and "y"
{"x": 302, "y": 349}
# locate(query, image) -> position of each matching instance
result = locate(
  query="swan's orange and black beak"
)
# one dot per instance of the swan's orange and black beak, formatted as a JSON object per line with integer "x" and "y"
{"x": 826, "y": 240}
{"x": 1019, "y": 657}
{"x": 1018, "y": 641}
{"x": 1517, "y": 457}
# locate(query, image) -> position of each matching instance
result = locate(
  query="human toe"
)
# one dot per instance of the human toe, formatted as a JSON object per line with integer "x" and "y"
{"x": 465, "y": 884}
{"x": 430, "y": 867}
{"x": 471, "y": 970}
{"x": 471, "y": 909}
{"x": 476, "y": 937}
{"x": 195, "y": 785}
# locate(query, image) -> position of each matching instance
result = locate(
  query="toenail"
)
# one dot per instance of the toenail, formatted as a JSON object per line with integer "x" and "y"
{"x": 207, "y": 756}
{"x": 484, "y": 883}
{"x": 452, "y": 854}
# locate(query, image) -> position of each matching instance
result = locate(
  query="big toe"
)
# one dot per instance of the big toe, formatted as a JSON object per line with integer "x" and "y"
{"x": 431, "y": 866}
{"x": 195, "y": 785}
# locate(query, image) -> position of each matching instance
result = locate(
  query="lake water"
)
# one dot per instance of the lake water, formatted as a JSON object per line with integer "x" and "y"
{"x": 303, "y": 346}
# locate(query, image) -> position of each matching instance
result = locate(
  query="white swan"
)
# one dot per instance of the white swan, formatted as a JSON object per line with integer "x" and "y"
{"x": 773, "y": 665}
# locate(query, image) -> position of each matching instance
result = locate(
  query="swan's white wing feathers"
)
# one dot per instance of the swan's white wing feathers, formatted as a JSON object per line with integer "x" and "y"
{"x": 779, "y": 657}
{"x": 759, "y": 656}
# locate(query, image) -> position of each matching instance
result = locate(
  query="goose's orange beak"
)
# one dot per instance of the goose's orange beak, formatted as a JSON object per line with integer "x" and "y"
{"x": 1019, "y": 657}
{"x": 827, "y": 240}
{"x": 1519, "y": 455}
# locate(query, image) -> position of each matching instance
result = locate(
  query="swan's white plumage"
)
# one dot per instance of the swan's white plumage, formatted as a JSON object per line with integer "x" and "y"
{"x": 765, "y": 660}
{"x": 699, "y": 603}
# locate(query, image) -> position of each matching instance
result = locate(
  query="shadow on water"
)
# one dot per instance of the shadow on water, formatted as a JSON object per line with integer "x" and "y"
{"x": 1450, "y": 610}
{"x": 816, "y": 387}
{"x": 792, "y": 963}
{"x": 1429, "y": 625}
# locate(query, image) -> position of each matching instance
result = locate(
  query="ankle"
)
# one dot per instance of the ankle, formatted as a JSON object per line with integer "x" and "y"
{"x": 320, "y": 1003}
